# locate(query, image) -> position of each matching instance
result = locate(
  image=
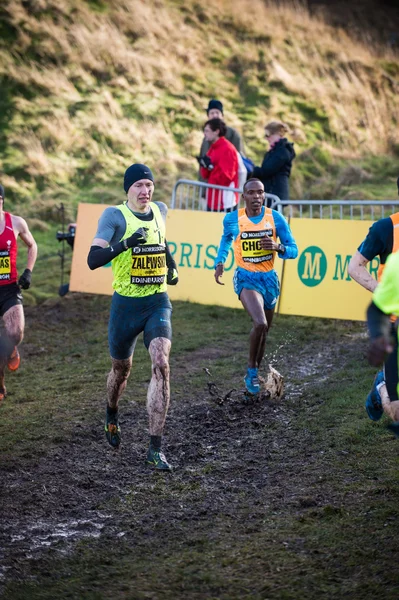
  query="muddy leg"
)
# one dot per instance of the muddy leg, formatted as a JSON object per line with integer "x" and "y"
{"x": 117, "y": 380}
{"x": 158, "y": 395}
{"x": 14, "y": 324}
{"x": 253, "y": 304}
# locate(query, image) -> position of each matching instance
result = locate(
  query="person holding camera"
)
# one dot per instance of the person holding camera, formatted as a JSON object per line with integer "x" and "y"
{"x": 132, "y": 236}
{"x": 215, "y": 111}
{"x": 220, "y": 167}
{"x": 12, "y": 227}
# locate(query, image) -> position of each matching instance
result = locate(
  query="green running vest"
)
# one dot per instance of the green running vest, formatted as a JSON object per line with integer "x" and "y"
{"x": 141, "y": 271}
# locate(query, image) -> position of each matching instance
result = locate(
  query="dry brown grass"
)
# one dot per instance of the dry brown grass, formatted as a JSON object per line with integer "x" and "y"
{"x": 112, "y": 86}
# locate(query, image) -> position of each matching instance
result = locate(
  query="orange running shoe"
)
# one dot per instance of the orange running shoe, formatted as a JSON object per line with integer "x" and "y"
{"x": 14, "y": 360}
{"x": 3, "y": 392}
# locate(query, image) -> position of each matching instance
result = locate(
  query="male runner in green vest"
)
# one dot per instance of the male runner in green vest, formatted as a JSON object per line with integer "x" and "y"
{"x": 132, "y": 236}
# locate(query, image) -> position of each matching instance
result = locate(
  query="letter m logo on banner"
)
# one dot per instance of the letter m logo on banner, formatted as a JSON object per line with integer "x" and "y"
{"x": 312, "y": 266}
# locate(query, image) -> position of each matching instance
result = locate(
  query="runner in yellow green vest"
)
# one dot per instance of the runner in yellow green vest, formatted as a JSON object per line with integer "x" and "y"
{"x": 132, "y": 237}
{"x": 385, "y": 303}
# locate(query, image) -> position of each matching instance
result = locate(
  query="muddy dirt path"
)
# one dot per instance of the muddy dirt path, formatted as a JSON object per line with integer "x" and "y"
{"x": 232, "y": 461}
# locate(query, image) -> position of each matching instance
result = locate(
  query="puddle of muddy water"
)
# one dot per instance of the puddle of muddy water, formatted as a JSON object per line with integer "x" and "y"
{"x": 44, "y": 534}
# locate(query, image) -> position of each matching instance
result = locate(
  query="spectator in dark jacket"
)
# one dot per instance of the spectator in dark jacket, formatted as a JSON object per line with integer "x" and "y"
{"x": 276, "y": 166}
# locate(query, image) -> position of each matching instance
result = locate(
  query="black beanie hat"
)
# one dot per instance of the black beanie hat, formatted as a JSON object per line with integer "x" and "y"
{"x": 135, "y": 173}
{"x": 215, "y": 104}
{"x": 2, "y": 192}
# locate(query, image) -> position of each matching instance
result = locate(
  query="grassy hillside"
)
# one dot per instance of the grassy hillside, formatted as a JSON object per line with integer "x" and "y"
{"x": 90, "y": 86}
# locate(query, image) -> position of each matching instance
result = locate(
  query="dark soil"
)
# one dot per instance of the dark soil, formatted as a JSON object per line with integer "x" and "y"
{"x": 243, "y": 473}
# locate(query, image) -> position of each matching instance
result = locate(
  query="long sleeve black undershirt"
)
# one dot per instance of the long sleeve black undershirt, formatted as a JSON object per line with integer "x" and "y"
{"x": 98, "y": 256}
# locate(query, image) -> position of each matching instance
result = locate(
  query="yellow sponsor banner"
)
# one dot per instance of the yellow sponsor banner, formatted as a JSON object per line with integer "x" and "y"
{"x": 315, "y": 284}
{"x": 82, "y": 279}
{"x": 193, "y": 238}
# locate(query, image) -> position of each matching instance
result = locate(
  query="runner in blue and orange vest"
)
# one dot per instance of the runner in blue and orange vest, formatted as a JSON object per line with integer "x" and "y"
{"x": 254, "y": 231}
{"x": 12, "y": 226}
{"x": 381, "y": 240}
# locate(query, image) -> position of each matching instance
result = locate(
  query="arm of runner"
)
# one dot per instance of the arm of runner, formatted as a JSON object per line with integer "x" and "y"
{"x": 29, "y": 241}
{"x": 172, "y": 277}
{"x": 287, "y": 248}
{"x": 358, "y": 271}
{"x": 230, "y": 232}
{"x": 108, "y": 243}
{"x": 101, "y": 254}
{"x": 219, "y": 270}
{"x": 378, "y": 242}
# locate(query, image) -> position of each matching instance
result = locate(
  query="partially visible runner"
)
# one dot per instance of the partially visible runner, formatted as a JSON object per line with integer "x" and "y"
{"x": 254, "y": 230}
{"x": 385, "y": 303}
{"x": 381, "y": 240}
{"x": 132, "y": 236}
{"x": 12, "y": 226}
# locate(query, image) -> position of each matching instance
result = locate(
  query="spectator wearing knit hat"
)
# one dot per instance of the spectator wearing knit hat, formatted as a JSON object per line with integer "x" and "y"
{"x": 215, "y": 111}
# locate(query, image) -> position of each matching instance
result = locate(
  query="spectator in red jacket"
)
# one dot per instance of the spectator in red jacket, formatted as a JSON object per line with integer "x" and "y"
{"x": 220, "y": 167}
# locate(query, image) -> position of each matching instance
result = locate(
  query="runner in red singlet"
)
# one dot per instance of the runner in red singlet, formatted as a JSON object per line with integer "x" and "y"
{"x": 11, "y": 308}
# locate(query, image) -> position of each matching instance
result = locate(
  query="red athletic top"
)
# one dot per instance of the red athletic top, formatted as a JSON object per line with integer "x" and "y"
{"x": 8, "y": 253}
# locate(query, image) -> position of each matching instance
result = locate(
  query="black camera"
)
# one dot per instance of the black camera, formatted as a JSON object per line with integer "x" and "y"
{"x": 68, "y": 236}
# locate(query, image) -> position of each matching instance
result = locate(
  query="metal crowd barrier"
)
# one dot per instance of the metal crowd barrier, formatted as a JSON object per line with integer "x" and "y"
{"x": 370, "y": 210}
{"x": 191, "y": 195}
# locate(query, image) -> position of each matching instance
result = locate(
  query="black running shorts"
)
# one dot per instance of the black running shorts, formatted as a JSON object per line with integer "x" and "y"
{"x": 10, "y": 295}
{"x": 131, "y": 316}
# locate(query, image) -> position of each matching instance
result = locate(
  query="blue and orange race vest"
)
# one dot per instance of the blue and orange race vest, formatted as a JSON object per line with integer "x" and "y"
{"x": 247, "y": 251}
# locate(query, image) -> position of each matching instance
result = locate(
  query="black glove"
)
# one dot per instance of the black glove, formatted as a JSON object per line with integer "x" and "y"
{"x": 205, "y": 162}
{"x": 25, "y": 279}
{"x": 138, "y": 237}
{"x": 172, "y": 278}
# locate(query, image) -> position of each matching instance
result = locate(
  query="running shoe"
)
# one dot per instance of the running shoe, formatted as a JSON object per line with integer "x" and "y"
{"x": 112, "y": 429}
{"x": 252, "y": 382}
{"x": 14, "y": 360}
{"x": 373, "y": 402}
{"x": 157, "y": 459}
{"x": 3, "y": 392}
